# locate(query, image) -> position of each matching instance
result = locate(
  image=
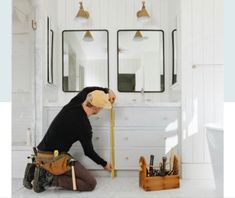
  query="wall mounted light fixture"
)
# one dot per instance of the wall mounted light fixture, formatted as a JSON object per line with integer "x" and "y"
{"x": 82, "y": 15}
{"x": 87, "y": 36}
{"x": 143, "y": 15}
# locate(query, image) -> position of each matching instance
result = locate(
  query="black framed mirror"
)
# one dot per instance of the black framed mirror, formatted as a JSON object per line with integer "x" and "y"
{"x": 140, "y": 60}
{"x": 50, "y": 46}
{"x": 85, "y": 59}
{"x": 174, "y": 56}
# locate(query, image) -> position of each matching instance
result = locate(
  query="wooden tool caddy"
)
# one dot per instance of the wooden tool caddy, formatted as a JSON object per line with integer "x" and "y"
{"x": 156, "y": 182}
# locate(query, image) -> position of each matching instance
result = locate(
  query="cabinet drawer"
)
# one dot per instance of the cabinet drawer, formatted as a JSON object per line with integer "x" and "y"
{"x": 144, "y": 116}
{"x": 144, "y": 138}
{"x": 19, "y": 162}
{"x": 100, "y": 139}
{"x": 87, "y": 162}
{"x": 101, "y": 119}
{"x": 129, "y": 158}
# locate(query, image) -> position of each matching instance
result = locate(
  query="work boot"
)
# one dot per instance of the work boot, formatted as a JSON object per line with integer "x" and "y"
{"x": 29, "y": 175}
{"x": 41, "y": 179}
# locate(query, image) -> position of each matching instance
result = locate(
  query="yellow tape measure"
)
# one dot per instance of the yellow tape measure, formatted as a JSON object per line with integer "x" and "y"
{"x": 112, "y": 142}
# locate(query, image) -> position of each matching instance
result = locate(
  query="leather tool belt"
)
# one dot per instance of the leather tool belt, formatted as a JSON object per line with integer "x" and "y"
{"x": 56, "y": 165}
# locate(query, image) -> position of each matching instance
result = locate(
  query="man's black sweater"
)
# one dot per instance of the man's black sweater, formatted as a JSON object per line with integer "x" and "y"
{"x": 71, "y": 125}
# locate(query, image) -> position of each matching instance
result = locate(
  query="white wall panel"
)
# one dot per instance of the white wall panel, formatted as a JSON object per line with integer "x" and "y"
{"x": 186, "y": 59}
{"x": 219, "y": 93}
{"x": 202, "y": 86}
{"x": 197, "y": 29}
{"x": 198, "y": 115}
{"x": 197, "y": 171}
{"x": 103, "y": 13}
{"x": 22, "y": 72}
{"x": 219, "y": 31}
{"x": 187, "y": 148}
{"x": 209, "y": 104}
{"x": 208, "y": 31}
{"x": 205, "y": 92}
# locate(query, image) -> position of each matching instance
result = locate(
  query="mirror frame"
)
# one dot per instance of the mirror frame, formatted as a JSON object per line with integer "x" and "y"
{"x": 64, "y": 31}
{"x": 163, "y": 54}
{"x": 50, "y": 51}
{"x": 174, "y": 76}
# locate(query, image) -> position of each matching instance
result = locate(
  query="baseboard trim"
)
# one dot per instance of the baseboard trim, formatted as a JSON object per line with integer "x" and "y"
{"x": 197, "y": 171}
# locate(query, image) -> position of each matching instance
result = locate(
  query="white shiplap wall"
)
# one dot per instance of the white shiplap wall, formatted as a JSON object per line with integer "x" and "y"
{"x": 23, "y": 111}
{"x": 111, "y": 15}
{"x": 201, "y": 57}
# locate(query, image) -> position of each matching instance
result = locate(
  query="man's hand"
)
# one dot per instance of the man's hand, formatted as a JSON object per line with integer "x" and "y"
{"x": 112, "y": 96}
{"x": 108, "y": 167}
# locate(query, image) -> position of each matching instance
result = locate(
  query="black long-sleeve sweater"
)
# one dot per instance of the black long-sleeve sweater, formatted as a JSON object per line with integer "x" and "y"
{"x": 71, "y": 125}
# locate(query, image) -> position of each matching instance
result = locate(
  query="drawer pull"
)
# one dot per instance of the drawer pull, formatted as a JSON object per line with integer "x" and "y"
{"x": 125, "y": 138}
{"x": 97, "y": 138}
{"x": 127, "y": 158}
{"x": 165, "y": 118}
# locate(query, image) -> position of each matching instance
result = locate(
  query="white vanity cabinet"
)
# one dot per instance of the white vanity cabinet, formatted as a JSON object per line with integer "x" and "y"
{"x": 138, "y": 130}
{"x": 19, "y": 159}
{"x": 144, "y": 130}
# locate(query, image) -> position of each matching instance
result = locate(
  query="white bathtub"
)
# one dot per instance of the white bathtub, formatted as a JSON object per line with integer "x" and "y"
{"x": 215, "y": 137}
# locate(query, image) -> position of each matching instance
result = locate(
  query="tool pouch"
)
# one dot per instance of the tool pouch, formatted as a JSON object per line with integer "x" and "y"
{"x": 55, "y": 165}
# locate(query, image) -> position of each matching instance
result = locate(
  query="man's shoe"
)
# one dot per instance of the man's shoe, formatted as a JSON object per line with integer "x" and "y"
{"x": 29, "y": 175}
{"x": 41, "y": 179}
{"x": 38, "y": 180}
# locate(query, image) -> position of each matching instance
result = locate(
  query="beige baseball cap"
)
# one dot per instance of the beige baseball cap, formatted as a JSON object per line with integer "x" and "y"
{"x": 99, "y": 99}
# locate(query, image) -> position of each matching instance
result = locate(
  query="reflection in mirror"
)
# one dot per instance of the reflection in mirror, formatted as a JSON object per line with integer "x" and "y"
{"x": 85, "y": 59}
{"x": 174, "y": 56}
{"x": 140, "y": 61}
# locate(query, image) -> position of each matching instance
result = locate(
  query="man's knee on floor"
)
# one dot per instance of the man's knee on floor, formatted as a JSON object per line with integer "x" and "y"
{"x": 92, "y": 184}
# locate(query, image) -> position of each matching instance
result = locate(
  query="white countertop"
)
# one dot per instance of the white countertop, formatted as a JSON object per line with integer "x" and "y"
{"x": 148, "y": 104}
{"x": 133, "y": 104}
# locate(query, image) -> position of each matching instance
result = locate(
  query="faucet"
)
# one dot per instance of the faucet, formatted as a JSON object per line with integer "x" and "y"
{"x": 142, "y": 94}
{"x": 142, "y": 91}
